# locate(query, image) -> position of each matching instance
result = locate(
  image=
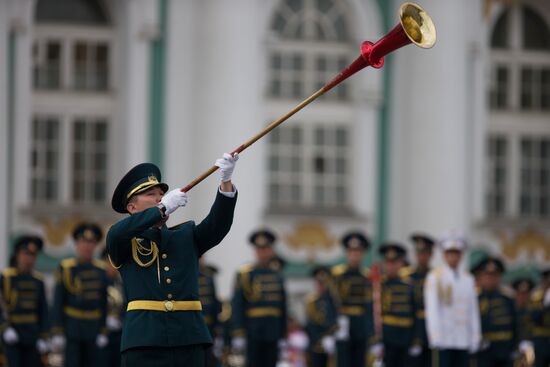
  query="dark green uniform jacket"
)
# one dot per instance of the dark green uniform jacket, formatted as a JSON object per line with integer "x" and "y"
{"x": 162, "y": 265}
{"x": 355, "y": 300}
{"x": 25, "y": 301}
{"x": 417, "y": 278}
{"x": 398, "y": 312}
{"x": 259, "y": 304}
{"x": 80, "y": 300}
{"x": 498, "y": 322}
{"x": 321, "y": 319}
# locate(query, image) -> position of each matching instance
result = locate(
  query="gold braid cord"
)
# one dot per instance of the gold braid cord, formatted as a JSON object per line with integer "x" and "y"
{"x": 139, "y": 250}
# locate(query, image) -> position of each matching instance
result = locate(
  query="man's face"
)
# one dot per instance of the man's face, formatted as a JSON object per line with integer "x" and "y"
{"x": 489, "y": 280}
{"x": 25, "y": 259}
{"x": 392, "y": 266}
{"x": 423, "y": 258}
{"x": 264, "y": 254}
{"x": 85, "y": 249}
{"x": 355, "y": 257}
{"x": 452, "y": 258}
{"x": 145, "y": 200}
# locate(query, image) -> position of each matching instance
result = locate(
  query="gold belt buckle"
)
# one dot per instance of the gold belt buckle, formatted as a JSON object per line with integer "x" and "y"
{"x": 169, "y": 305}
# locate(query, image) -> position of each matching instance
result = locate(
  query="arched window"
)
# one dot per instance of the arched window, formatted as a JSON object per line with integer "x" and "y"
{"x": 309, "y": 157}
{"x": 518, "y": 169}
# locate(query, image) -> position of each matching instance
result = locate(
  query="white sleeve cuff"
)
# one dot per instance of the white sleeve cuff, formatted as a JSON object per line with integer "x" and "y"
{"x": 228, "y": 194}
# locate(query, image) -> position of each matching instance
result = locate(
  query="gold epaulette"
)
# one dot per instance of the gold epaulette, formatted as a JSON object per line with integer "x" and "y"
{"x": 68, "y": 263}
{"x": 311, "y": 297}
{"x": 9, "y": 272}
{"x": 406, "y": 272}
{"x": 478, "y": 290}
{"x": 246, "y": 268}
{"x": 365, "y": 272}
{"x": 99, "y": 263}
{"x": 537, "y": 295}
{"x": 339, "y": 269}
{"x": 38, "y": 275}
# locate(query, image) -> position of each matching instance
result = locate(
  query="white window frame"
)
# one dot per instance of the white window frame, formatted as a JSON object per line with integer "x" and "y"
{"x": 512, "y": 123}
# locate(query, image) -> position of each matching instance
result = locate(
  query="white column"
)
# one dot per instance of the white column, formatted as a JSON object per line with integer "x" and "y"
{"x": 4, "y": 178}
{"x": 138, "y": 27}
{"x": 20, "y": 13}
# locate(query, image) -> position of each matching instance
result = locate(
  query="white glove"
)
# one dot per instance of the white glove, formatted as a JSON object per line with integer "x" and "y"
{"x": 218, "y": 347}
{"x": 10, "y": 336}
{"x": 525, "y": 346}
{"x": 101, "y": 341}
{"x": 42, "y": 346}
{"x": 343, "y": 328}
{"x": 283, "y": 350}
{"x": 415, "y": 350}
{"x": 173, "y": 200}
{"x": 377, "y": 350}
{"x": 58, "y": 342}
{"x": 329, "y": 344}
{"x": 113, "y": 323}
{"x": 227, "y": 165}
{"x": 546, "y": 301}
{"x": 238, "y": 343}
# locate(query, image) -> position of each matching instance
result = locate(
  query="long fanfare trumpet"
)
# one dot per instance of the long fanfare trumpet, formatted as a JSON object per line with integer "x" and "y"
{"x": 415, "y": 26}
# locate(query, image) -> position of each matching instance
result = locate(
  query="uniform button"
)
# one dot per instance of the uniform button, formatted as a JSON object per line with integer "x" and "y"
{"x": 168, "y": 280}
{"x": 166, "y": 268}
{"x": 169, "y": 296}
{"x": 164, "y": 256}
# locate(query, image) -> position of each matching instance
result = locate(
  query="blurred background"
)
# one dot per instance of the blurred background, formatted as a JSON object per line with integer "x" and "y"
{"x": 454, "y": 137}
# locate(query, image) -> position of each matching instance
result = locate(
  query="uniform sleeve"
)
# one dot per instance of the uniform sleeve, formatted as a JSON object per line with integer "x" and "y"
{"x": 475, "y": 326}
{"x": 284, "y": 316}
{"x": 121, "y": 233}
{"x": 104, "y": 304}
{"x": 237, "y": 308}
{"x": 58, "y": 303}
{"x": 43, "y": 312}
{"x": 3, "y": 321}
{"x": 431, "y": 308}
{"x": 217, "y": 223}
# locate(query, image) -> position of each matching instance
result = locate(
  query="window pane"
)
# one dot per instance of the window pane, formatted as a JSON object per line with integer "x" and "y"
{"x": 536, "y": 35}
{"x": 499, "y": 37}
{"x": 45, "y": 173}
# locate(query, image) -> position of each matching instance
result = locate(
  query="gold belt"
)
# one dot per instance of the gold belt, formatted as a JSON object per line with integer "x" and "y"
{"x": 397, "y": 321}
{"x": 263, "y": 312}
{"x": 164, "y": 306}
{"x": 77, "y": 313}
{"x": 497, "y": 336}
{"x": 352, "y": 310}
{"x": 23, "y": 319}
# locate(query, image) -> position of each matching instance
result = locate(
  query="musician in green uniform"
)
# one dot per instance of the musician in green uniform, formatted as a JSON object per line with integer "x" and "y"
{"x": 354, "y": 301}
{"x": 540, "y": 318}
{"x": 523, "y": 287}
{"x": 498, "y": 316}
{"x": 420, "y": 354}
{"x": 116, "y": 309}
{"x": 25, "y": 329}
{"x": 80, "y": 302}
{"x": 164, "y": 325}
{"x": 259, "y": 310}
{"x": 398, "y": 307}
{"x": 321, "y": 319}
{"x": 211, "y": 308}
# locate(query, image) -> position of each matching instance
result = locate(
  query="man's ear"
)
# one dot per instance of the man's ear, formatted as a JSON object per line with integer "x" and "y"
{"x": 131, "y": 207}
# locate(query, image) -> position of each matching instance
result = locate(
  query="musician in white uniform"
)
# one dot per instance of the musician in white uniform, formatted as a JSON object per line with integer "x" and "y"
{"x": 452, "y": 313}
